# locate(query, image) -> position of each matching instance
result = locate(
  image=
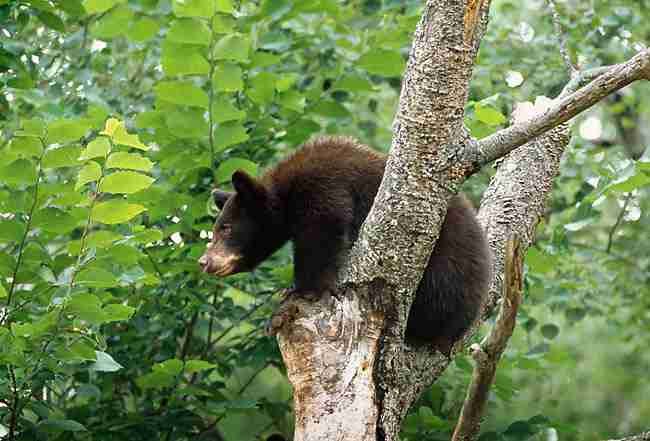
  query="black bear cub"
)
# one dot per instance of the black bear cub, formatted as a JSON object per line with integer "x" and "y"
{"x": 318, "y": 198}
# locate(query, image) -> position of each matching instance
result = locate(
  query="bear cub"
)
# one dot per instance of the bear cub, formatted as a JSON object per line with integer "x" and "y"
{"x": 318, "y": 198}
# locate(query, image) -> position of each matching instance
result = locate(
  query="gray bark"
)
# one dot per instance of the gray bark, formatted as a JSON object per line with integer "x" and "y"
{"x": 354, "y": 377}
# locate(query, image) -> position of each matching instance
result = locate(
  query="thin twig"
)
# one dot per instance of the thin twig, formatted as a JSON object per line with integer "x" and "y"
{"x": 562, "y": 39}
{"x": 619, "y": 219}
{"x": 488, "y": 353}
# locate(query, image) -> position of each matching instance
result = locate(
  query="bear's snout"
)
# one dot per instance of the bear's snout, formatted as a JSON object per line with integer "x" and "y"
{"x": 219, "y": 263}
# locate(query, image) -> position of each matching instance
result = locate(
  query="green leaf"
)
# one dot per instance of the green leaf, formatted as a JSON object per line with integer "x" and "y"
{"x": 66, "y": 130}
{"x": 126, "y": 182}
{"x": 263, "y": 59}
{"x": 550, "y": 331}
{"x": 155, "y": 380}
{"x": 122, "y": 137}
{"x": 181, "y": 59}
{"x": 228, "y": 134}
{"x": 116, "y": 211}
{"x": 54, "y": 220}
{"x": 331, "y": 109}
{"x": 61, "y": 157}
{"x": 192, "y": 366}
{"x": 148, "y": 236}
{"x": 275, "y": 9}
{"x": 97, "y": 148}
{"x": 382, "y": 62}
{"x": 86, "y": 307}
{"x": 32, "y": 127}
{"x": 181, "y": 93}
{"x": 11, "y": 230}
{"x": 189, "y": 31}
{"x": 292, "y": 100}
{"x": 172, "y": 367}
{"x": 117, "y": 312}
{"x": 262, "y": 88}
{"x": 18, "y": 173}
{"x": 3, "y": 291}
{"x": 105, "y": 363}
{"x": 114, "y": 23}
{"x": 90, "y": 172}
{"x": 228, "y": 78}
{"x": 77, "y": 351}
{"x": 96, "y": 277}
{"x": 26, "y": 146}
{"x": 489, "y": 115}
{"x": 51, "y": 20}
{"x": 229, "y": 166}
{"x": 55, "y": 425}
{"x": 131, "y": 161}
{"x": 637, "y": 180}
{"x": 539, "y": 261}
{"x": 201, "y": 8}
{"x": 354, "y": 83}
{"x": 99, "y": 6}
{"x": 143, "y": 29}
{"x": 187, "y": 123}
{"x": 234, "y": 47}
{"x": 224, "y": 110}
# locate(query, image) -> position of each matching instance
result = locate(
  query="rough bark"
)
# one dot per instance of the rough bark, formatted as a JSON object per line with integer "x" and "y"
{"x": 487, "y": 355}
{"x": 645, "y": 436}
{"x": 354, "y": 377}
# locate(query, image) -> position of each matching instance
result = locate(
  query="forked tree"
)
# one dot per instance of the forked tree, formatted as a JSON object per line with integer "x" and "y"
{"x": 353, "y": 375}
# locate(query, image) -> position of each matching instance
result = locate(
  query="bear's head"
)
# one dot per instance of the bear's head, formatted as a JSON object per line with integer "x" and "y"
{"x": 246, "y": 230}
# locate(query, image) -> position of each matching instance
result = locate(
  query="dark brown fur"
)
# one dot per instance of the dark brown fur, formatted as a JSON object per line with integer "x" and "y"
{"x": 318, "y": 198}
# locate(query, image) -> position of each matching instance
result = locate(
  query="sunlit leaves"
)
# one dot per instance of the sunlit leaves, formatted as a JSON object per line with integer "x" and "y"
{"x": 179, "y": 59}
{"x": 189, "y": 31}
{"x": 19, "y": 173}
{"x": 143, "y": 29}
{"x": 201, "y": 8}
{"x": 488, "y": 115}
{"x": 63, "y": 131}
{"x": 98, "y": 148}
{"x": 181, "y": 93}
{"x": 125, "y": 182}
{"x": 99, "y": 6}
{"x": 90, "y": 172}
{"x": 131, "y": 161}
{"x": 233, "y": 47}
{"x": 116, "y": 211}
{"x": 114, "y": 23}
{"x": 228, "y": 78}
{"x": 66, "y": 156}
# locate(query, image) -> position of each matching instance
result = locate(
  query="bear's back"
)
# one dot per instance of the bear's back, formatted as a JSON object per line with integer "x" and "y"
{"x": 330, "y": 173}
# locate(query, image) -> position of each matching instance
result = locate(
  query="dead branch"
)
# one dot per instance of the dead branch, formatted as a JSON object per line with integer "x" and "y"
{"x": 488, "y": 353}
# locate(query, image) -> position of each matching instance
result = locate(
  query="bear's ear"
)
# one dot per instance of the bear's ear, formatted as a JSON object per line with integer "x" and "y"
{"x": 248, "y": 188}
{"x": 220, "y": 197}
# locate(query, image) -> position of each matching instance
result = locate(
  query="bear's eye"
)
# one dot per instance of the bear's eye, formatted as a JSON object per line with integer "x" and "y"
{"x": 225, "y": 229}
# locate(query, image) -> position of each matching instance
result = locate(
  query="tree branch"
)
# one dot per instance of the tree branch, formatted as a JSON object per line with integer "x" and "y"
{"x": 488, "y": 353}
{"x": 563, "y": 109}
{"x": 645, "y": 436}
{"x": 562, "y": 39}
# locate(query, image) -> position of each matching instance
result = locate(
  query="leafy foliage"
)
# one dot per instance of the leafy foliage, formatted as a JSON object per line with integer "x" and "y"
{"x": 118, "y": 117}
